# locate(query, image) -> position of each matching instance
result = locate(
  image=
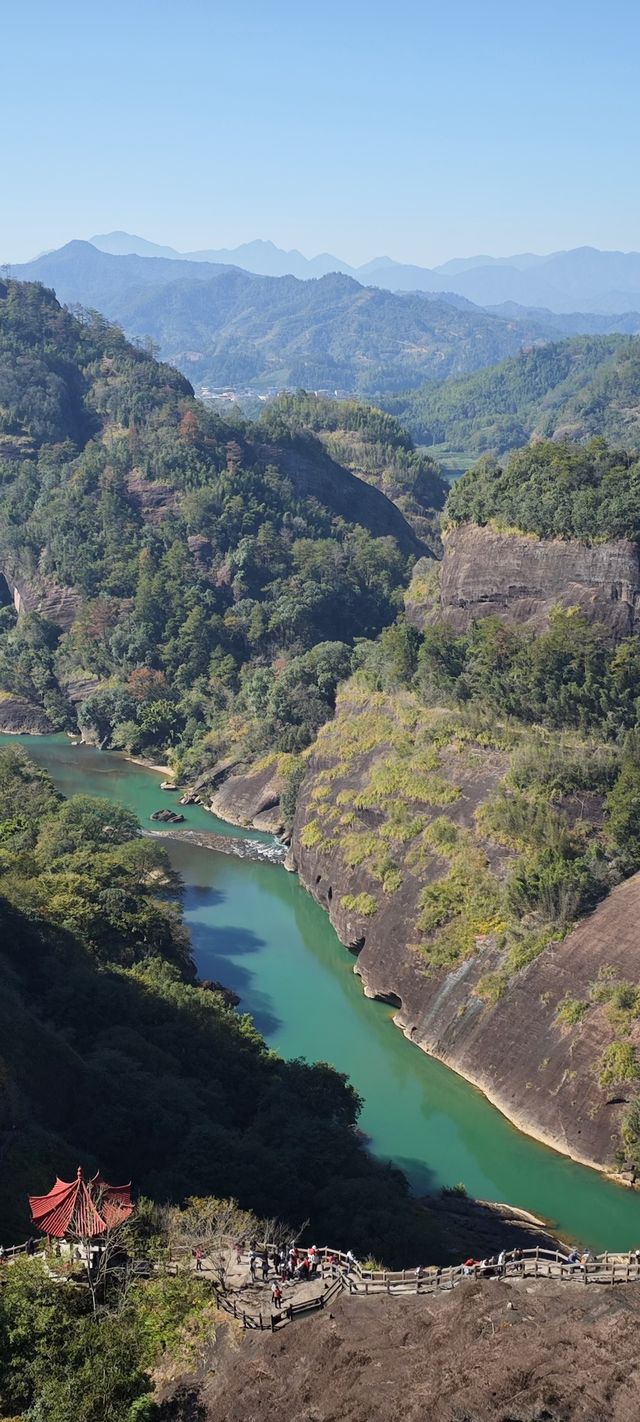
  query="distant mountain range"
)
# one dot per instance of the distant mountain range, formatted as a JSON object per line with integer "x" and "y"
{"x": 224, "y": 327}
{"x": 583, "y": 279}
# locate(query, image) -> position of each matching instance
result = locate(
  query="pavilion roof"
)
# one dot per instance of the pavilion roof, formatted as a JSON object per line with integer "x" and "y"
{"x": 84, "y": 1208}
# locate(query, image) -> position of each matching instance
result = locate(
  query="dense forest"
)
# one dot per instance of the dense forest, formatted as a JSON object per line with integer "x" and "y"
{"x": 571, "y": 389}
{"x": 562, "y": 490}
{"x": 209, "y": 557}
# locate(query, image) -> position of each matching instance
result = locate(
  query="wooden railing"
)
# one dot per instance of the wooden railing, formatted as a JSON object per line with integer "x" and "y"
{"x": 350, "y": 1277}
{"x": 536, "y": 1263}
{"x": 34, "y": 1246}
{"x": 342, "y": 1275}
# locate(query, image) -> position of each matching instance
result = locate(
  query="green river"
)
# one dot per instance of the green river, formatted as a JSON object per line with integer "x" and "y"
{"x": 256, "y": 929}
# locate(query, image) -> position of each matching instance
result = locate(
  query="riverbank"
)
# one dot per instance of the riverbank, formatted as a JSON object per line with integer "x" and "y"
{"x": 522, "y": 1123}
{"x": 266, "y": 938}
{"x": 164, "y": 770}
{"x": 522, "y": 1120}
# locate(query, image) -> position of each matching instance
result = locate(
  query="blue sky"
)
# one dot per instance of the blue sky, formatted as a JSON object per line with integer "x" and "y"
{"x": 418, "y": 130}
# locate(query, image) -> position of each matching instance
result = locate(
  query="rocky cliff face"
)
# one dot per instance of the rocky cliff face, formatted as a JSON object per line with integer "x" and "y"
{"x": 387, "y": 812}
{"x": 521, "y": 579}
{"x": 37, "y": 594}
{"x": 19, "y": 717}
{"x": 242, "y": 795}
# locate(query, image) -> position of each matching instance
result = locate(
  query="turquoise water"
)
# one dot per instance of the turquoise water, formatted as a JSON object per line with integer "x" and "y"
{"x": 255, "y": 929}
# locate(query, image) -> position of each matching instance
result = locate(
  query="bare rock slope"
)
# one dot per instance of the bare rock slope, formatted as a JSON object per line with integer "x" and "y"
{"x": 388, "y": 839}
{"x": 489, "y": 1352}
{"x": 521, "y": 579}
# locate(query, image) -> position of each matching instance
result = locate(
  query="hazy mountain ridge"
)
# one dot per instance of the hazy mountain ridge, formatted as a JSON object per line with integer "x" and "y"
{"x": 583, "y": 278}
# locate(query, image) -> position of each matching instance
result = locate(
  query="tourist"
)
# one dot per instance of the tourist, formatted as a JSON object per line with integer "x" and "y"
{"x": 199, "y": 1258}
{"x": 502, "y": 1261}
{"x": 469, "y": 1266}
{"x": 276, "y": 1294}
{"x": 573, "y": 1259}
{"x": 418, "y": 1273}
{"x": 351, "y": 1260}
{"x": 252, "y": 1264}
{"x": 265, "y": 1266}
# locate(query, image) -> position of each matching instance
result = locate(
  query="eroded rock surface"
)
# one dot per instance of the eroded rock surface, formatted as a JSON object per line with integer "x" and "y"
{"x": 240, "y": 794}
{"x": 19, "y": 717}
{"x": 388, "y": 809}
{"x": 487, "y": 1352}
{"x": 521, "y": 579}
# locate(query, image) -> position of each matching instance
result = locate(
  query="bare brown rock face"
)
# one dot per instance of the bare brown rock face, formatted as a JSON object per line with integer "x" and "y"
{"x": 43, "y": 595}
{"x": 19, "y": 717}
{"x": 153, "y": 499}
{"x": 521, "y": 579}
{"x": 488, "y": 1352}
{"x": 243, "y": 796}
{"x": 538, "y": 1071}
{"x": 387, "y": 812}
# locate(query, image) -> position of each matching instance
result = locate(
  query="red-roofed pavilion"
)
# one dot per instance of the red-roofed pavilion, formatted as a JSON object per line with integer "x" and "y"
{"x": 82, "y": 1208}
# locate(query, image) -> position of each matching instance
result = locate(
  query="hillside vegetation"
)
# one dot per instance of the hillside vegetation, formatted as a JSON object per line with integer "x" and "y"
{"x": 374, "y": 446}
{"x": 554, "y": 491}
{"x": 571, "y": 389}
{"x": 474, "y": 797}
{"x": 208, "y": 560}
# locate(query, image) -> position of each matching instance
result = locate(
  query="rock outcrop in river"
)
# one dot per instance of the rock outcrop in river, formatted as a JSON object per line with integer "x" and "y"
{"x": 241, "y": 794}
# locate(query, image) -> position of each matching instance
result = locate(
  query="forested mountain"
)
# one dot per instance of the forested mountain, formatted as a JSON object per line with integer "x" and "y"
{"x": 554, "y": 491}
{"x": 374, "y": 446}
{"x": 266, "y": 333}
{"x": 219, "y": 574}
{"x": 571, "y": 389}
